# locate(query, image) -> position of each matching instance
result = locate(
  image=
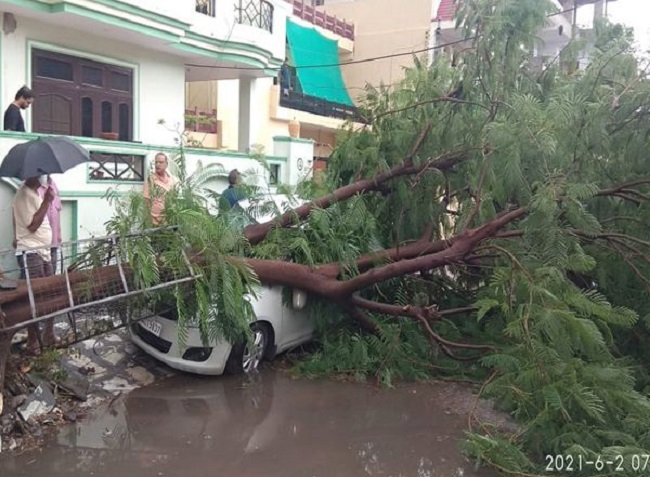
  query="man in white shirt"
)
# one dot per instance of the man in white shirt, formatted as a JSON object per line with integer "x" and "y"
{"x": 33, "y": 239}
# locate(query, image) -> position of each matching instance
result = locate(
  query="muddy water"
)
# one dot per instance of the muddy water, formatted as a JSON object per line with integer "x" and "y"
{"x": 271, "y": 426}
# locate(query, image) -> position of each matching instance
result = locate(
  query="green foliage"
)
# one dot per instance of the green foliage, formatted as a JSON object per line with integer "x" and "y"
{"x": 561, "y": 303}
{"x": 397, "y": 352}
{"x": 216, "y": 302}
{"x": 48, "y": 365}
{"x": 559, "y": 300}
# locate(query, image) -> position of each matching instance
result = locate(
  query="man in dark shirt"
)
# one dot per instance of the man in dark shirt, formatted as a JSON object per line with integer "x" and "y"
{"x": 285, "y": 77}
{"x": 13, "y": 120}
{"x": 234, "y": 193}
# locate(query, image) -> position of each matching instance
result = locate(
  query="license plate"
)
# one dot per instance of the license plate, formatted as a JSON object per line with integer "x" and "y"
{"x": 152, "y": 326}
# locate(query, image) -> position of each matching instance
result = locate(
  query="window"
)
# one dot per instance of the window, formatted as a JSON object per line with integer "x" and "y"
{"x": 274, "y": 174}
{"x": 120, "y": 82}
{"x": 91, "y": 75}
{"x": 107, "y": 116}
{"x": 125, "y": 122}
{"x": 205, "y": 6}
{"x": 54, "y": 69}
{"x": 87, "y": 117}
{"x": 81, "y": 97}
{"x": 116, "y": 167}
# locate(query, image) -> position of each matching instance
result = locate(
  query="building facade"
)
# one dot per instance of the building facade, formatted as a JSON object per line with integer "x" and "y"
{"x": 319, "y": 99}
{"x": 112, "y": 74}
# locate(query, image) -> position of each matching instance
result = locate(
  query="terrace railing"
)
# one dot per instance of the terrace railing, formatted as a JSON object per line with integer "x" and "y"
{"x": 320, "y": 107}
{"x": 308, "y": 13}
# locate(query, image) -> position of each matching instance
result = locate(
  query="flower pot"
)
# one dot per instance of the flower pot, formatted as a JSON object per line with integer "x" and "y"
{"x": 320, "y": 165}
{"x": 110, "y": 136}
{"x": 294, "y": 128}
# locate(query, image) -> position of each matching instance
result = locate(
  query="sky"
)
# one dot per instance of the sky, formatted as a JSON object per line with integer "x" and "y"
{"x": 633, "y": 13}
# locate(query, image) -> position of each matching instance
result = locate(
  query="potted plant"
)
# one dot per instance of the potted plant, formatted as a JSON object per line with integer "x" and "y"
{"x": 110, "y": 136}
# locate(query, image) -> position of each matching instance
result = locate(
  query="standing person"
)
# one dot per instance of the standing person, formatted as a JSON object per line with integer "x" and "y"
{"x": 285, "y": 77}
{"x": 54, "y": 217}
{"x": 234, "y": 193}
{"x": 158, "y": 184}
{"x": 33, "y": 236}
{"x": 13, "y": 120}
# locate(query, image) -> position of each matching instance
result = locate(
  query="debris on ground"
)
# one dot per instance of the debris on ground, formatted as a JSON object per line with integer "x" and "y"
{"x": 40, "y": 402}
{"x": 63, "y": 386}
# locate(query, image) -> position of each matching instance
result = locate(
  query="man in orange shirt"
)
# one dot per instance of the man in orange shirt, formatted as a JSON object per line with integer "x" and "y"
{"x": 158, "y": 184}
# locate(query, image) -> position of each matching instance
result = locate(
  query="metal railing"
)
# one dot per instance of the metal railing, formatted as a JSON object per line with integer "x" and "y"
{"x": 320, "y": 107}
{"x": 257, "y": 13}
{"x": 319, "y": 18}
{"x": 95, "y": 282}
{"x": 207, "y": 7}
{"x": 116, "y": 167}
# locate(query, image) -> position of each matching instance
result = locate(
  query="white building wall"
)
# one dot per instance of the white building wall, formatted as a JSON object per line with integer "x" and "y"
{"x": 225, "y": 25}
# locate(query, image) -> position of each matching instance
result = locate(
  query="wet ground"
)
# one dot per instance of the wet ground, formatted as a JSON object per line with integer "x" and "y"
{"x": 269, "y": 426}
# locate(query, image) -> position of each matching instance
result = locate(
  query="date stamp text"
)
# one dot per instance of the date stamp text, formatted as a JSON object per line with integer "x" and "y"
{"x": 637, "y": 463}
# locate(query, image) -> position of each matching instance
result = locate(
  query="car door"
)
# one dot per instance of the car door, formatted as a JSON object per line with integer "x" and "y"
{"x": 268, "y": 307}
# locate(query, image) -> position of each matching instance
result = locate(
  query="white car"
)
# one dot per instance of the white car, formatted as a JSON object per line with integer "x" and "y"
{"x": 277, "y": 329}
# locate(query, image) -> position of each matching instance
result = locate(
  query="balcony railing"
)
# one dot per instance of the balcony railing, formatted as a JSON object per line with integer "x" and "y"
{"x": 320, "y": 107}
{"x": 116, "y": 167}
{"x": 322, "y": 19}
{"x": 207, "y": 7}
{"x": 257, "y": 13}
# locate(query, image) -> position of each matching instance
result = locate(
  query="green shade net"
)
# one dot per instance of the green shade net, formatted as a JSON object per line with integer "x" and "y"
{"x": 308, "y": 47}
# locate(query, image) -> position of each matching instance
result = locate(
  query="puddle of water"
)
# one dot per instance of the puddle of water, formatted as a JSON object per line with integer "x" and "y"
{"x": 269, "y": 426}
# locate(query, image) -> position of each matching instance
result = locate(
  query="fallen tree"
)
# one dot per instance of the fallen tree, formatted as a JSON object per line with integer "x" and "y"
{"x": 495, "y": 213}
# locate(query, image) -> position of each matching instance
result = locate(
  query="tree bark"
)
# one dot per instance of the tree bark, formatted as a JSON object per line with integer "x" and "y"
{"x": 257, "y": 232}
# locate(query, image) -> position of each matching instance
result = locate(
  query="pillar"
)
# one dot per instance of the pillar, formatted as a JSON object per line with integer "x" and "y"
{"x": 251, "y": 108}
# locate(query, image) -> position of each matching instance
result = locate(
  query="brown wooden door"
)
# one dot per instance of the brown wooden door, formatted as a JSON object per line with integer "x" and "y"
{"x": 53, "y": 113}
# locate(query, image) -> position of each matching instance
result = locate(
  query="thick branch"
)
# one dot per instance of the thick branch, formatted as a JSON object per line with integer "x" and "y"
{"x": 257, "y": 232}
{"x": 461, "y": 246}
{"x": 366, "y": 262}
{"x": 623, "y": 190}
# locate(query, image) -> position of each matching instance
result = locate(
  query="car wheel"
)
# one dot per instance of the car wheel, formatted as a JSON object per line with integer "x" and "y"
{"x": 245, "y": 356}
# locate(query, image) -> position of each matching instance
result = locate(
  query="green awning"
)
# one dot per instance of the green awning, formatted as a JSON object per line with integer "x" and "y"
{"x": 308, "y": 48}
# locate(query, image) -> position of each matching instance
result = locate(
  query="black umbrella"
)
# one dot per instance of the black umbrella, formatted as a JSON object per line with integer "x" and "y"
{"x": 49, "y": 155}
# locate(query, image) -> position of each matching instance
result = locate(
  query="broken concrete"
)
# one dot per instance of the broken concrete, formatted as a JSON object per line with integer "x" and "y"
{"x": 39, "y": 403}
{"x": 97, "y": 371}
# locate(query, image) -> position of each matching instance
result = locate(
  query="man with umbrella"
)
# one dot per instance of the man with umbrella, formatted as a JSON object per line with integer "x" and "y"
{"x": 34, "y": 239}
{"x": 33, "y": 161}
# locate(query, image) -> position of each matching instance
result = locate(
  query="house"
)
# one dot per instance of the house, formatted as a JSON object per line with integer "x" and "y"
{"x": 316, "y": 45}
{"x": 118, "y": 69}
